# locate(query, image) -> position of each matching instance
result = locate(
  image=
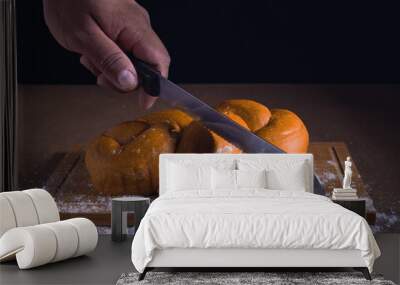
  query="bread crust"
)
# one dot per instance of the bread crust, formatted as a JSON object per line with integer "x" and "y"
{"x": 287, "y": 131}
{"x": 124, "y": 159}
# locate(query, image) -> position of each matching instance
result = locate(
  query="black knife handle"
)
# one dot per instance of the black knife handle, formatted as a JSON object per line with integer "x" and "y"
{"x": 149, "y": 78}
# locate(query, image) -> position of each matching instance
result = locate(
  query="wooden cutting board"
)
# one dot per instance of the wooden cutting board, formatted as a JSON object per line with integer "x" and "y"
{"x": 71, "y": 187}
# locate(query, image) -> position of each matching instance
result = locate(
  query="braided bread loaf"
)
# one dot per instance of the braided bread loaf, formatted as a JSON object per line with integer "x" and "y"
{"x": 124, "y": 159}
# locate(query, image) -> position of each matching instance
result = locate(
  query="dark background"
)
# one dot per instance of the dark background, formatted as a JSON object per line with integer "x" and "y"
{"x": 234, "y": 41}
{"x": 243, "y": 41}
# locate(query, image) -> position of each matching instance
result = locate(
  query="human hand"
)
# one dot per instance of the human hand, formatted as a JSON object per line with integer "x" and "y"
{"x": 100, "y": 31}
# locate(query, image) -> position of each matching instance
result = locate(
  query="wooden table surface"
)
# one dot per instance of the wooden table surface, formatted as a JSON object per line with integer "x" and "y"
{"x": 75, "y": 195}
{"x": 54, "y": 119}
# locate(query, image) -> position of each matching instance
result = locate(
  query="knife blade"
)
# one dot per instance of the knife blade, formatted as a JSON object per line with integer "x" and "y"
{"x": 156, "y": 85}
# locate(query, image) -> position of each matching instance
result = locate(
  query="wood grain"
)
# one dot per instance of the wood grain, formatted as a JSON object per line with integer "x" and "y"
{"x": 70, "y": 183}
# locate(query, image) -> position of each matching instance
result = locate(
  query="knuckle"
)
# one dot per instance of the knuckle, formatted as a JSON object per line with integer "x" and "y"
{"x": 167, "y": 59}
{"x": 143, "y": 13}
{"x": 109, "y": 62}
{"x": 76, "y": 39}
{"x": 79, "y": 34}
{"x": 146, "y": 15}
{"x": 139, "y": 33}
{"x": 142, "y": 19}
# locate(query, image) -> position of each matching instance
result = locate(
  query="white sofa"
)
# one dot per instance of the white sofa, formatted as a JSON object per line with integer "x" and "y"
{"x": 31, "y": 231}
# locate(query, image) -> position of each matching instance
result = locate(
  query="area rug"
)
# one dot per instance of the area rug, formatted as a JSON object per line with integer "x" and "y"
{"x": 243, "y": 278}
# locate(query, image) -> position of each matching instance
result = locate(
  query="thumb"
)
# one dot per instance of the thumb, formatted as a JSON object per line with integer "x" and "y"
{"x": 109, "y": 59}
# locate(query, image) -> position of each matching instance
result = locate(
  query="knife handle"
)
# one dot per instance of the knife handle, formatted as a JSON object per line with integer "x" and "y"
{"x": 149, "y": 78}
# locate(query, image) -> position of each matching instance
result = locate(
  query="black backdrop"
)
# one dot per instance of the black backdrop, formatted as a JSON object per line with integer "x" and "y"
{"x": 243, "y": 41}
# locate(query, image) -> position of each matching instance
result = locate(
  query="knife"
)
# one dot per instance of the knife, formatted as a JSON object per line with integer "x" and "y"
{"x": 156, "y": 85}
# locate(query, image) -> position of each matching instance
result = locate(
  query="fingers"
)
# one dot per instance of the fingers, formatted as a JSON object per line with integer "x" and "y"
{"x": 151, "y": 49}
{"x": 102, "y": 55}
{"x": 101, "y": 78}
{"x": 145, "y": 101}
{"x": 102, "y": 81}
{"x": 90, "y": 66}
{"x": 139, "y": 38}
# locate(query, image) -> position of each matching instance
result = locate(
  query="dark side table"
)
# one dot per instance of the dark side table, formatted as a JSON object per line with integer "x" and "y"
{"x": 120, "y": 209}
{"x": 357, "y": 206}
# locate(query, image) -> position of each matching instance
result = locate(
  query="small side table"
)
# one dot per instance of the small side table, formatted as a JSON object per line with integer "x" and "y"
{"x": 120, "y": 208}
{"x": 357, "y": 206}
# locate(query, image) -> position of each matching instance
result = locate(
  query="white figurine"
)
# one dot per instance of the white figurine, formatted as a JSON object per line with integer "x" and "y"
{"x": 347, "y": 174}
